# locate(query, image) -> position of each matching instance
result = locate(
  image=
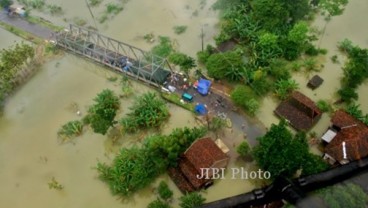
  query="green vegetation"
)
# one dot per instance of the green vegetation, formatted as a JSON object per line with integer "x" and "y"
{"x": 282, "y": 153}
{"x": 70, "y": 130}
{"x": 245, "y": 98}
{"x": 35, "y": 4}
{"x": 175, "y": 98}
{"x": 147, "y": 111}
{"x": 283, "y": 88}
{"x": 12, "y": 61}
{"x": 191, "y": 200}
{"x": 355, "y": 70}
{"x": 344, "y": 195}
{"x": 353, "y": 109}
{"x": 184, "y": 61}
{"x": 136, "y": 167}
{"x": 5, "y": 3}
{"x": 332, "y": 7}
{"x": 94, "y": 3}
{"x": 21, "y": 33}
{"x": 228, "y": 65}
{"x": 164, "y": 191}
{"x": 54, "y": 184}
{"x": 126, "y": 87}
{"x": 101, "y": 115}
{"x": 158, "y": 203}
{"x": 111, "y": 10}
{"x": 243, "y": 149}
{"x": 180, "y": 29}
{"x": 164, "y": 48}
{"x": 324, "y": 106}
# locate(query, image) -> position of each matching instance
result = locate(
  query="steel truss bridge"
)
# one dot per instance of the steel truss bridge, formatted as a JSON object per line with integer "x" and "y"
{"x": 121, "y": 57}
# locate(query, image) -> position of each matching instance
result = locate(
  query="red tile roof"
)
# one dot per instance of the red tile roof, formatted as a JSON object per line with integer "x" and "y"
{"x": 351, "y": 131}
{"x": 204, "y": 153}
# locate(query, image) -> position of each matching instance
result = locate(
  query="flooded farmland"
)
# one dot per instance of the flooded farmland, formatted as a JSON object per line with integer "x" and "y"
{"x": 30, "y": 154}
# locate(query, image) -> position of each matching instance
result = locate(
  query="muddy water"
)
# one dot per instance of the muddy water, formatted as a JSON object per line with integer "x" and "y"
{"x": 7, "y": 39}
{"x": 141, "y": 17}
{"x": 351, "y": 25}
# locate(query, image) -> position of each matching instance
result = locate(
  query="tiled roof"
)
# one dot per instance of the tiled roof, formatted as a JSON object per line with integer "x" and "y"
{"x": 204, "y": 153}
{"x": 353, "y": 132}
{"x": 299, "y": 110}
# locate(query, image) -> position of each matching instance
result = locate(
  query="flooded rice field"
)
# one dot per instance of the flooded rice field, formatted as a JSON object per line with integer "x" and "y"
{"x": 8, "y": 39}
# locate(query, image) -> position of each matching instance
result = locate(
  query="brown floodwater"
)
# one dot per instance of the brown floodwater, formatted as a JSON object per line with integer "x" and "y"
{"x": 30, "y": 154}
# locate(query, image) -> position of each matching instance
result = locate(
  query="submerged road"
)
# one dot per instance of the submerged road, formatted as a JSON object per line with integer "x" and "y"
{"x": 35, "y": 29}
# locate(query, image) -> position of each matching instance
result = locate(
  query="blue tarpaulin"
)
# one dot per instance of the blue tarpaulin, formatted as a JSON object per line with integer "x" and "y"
{"x": 200, "y": 109}
{"x": 203, "y": 86}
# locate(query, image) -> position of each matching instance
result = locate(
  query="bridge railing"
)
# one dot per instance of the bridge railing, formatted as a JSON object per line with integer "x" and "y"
{"x": 122, "y": 57}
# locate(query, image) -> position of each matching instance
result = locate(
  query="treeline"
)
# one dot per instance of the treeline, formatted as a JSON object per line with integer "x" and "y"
{"x": 355, "y": 70}
{"x": 12, "y": 61}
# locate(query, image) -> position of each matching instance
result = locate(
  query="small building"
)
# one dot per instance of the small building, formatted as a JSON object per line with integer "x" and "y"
{"x": 299, "y": 110}
{"x": 203, "y": 153}
{"x": 315, "y": 82}
{"x": 346, "y": 140}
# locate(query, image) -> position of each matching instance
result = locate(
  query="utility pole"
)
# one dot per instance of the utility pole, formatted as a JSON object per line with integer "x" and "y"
{"x": 93, "y": 17}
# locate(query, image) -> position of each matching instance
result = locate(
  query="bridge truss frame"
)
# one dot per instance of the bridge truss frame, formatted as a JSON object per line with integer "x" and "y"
{"x": 143, "y": 65}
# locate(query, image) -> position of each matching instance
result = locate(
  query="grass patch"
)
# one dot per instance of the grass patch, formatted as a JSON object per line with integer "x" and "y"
{"x": 43, "y": 22}
{"x": 175, "y": 98}
{"x": 94, "y": 3}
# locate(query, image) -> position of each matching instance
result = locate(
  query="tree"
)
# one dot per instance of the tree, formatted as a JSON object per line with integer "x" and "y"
{"x": 164, "y": 191}
{"x": 245, "y": 97}
{"x": 313, "y": 164}
{"x": 147, "y": 111}
{"x": 347, "y": 94}
{"x": 184, "y": 61}
{"x": 281, "y": 153}
{"x": 101, "y": 115}
{"x": 191, "y": 200}
{"x": 225, "y": 65}
{"x": 243, "y": 149}
{"x": 158, "y": 204}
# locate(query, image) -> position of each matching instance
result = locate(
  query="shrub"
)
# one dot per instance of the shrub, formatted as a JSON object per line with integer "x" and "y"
{"x": 180, "y": 29}
{"x": 164, "y": 191}
{"x": 158, "y": 204}
{"x": 245, "y": 97}
{"x": 191, "y": 200}
{"x": 70, "y": 130}
{"x": 147, "y": 111}
{"x": 324, "y": 106}
{"x": 243, "y": 149}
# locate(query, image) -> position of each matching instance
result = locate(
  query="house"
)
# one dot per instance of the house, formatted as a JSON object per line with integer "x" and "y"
{"x": 203, "y": 153}
{"x": 346, "y": 140}
{"x": 299, "y": 110}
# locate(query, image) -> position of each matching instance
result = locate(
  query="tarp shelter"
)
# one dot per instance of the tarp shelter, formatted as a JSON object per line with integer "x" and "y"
{"x": 200, "y": 109}
{"x": 203, "y": 86}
